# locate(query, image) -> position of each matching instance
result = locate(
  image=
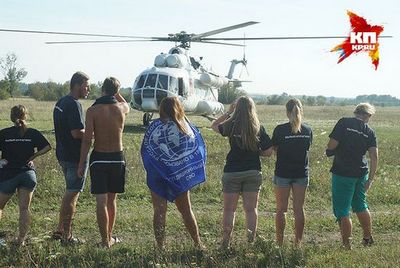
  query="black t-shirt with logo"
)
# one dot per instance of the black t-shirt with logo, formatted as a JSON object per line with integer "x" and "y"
{"x": 67, "y": 116}
{"x": 355, "y": 137}
{"x": 292, "y": 151}
{"x": 239, "y": 159}
{"x": 17, "y": 150}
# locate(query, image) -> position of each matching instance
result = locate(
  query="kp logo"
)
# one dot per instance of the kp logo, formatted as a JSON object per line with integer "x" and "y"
{"x": 363, "y": 37}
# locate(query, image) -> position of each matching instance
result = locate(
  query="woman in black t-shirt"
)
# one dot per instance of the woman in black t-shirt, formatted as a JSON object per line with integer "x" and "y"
{"x": 242, "y": 172}
{"x": 350, "y": 140}
{"x": 291, "y": 141}
{"x": 17, "y": 172}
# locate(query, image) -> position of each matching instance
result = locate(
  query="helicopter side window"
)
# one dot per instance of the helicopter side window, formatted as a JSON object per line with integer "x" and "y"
{"x": 180, "y": 86}
{"x": 162, "y": 82}
{"x": 140, "y": 82}
{"x": 173, "y": 84}
{"x": 151, "y": 80}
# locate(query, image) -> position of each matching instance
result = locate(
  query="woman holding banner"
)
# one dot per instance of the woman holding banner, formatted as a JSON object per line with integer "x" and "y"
{"x": 242, "y": 172}
{"x": 174, "y": 157}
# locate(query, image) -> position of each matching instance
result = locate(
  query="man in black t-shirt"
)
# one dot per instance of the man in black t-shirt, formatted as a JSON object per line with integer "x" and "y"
{"x": 69, "y": 129}
{"x": 349, "y": 141}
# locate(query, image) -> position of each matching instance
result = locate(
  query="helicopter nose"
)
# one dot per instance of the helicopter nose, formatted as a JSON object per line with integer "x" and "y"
{"x": 149, "y": 104}
{"x": 148, "y": 99}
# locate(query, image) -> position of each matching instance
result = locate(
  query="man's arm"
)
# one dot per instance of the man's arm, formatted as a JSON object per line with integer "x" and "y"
{"x": 86, "y": 142}
{"x": 373, "y": 165}
{"x": 331, "y": 146}
{"x": 77, "y": 133}
{"x": 122, "y": 100}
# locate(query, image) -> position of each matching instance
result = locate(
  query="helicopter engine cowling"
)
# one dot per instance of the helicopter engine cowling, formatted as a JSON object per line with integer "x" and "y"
{"x": 161, "y": 60}
{"x": 209, "y": 107}
{"x": 213, "y": 80}
{"x": 175, "y": 60}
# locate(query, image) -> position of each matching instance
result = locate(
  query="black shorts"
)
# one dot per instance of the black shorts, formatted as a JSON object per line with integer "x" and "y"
{"x": 107, "y": 172}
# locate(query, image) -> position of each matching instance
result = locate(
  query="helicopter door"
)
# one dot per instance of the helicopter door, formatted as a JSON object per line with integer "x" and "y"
{"x": 180, "y": 86}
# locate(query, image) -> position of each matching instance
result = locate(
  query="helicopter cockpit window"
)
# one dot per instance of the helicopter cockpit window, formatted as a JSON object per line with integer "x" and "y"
{"x": 180, "y": 86}
{"x": 173, "y": 84}
{"x": 141, "y": 81}
{"x": 162, "y": 82}
{"x": 151, "y": 80}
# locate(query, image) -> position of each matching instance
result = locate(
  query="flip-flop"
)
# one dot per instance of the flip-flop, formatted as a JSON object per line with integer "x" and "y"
{"x": 116, "y": 240}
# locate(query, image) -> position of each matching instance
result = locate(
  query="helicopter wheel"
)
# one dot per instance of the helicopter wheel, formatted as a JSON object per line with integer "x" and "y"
{"x": 147, "y": 118}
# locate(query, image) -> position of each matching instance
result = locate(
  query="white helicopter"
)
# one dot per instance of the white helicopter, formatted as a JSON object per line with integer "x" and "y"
{"x": 177, "y": 73}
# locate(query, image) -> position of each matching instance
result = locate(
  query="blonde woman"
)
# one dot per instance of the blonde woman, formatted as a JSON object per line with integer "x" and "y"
{"x": 19, "y": 146}
{"x": 174, "y": 156}
{"x": 292, "y": 141}
{"x": 350, "y": 140}
{"x": 242, "y": 172}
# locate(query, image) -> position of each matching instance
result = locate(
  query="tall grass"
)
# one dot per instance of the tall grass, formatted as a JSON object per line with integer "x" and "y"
{"x": 134, "y": 221}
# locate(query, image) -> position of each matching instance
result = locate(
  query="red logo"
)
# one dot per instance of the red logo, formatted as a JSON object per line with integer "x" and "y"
{"x": 363, "y": 37}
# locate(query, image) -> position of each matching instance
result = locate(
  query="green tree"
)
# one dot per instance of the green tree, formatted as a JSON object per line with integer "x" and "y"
{"x": 12, "y": 74}
{"x": 227, "y": 94}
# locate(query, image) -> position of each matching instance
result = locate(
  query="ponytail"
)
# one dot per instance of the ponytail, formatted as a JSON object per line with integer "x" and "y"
{"x": 18, "y": 116}
{"x": 294, "y": 111}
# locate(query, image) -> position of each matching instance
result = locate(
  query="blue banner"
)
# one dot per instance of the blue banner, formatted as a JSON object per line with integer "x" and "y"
{"x": 174, "y": 162}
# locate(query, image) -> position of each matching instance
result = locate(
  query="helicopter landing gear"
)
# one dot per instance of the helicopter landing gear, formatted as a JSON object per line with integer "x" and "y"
{"x": 147, "y": 118}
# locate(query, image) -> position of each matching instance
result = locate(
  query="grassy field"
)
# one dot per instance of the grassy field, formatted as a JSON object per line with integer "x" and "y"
{"x": 134, "y": 221}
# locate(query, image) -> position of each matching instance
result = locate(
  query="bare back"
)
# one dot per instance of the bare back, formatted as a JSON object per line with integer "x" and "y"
{"x": 108, "y": 125}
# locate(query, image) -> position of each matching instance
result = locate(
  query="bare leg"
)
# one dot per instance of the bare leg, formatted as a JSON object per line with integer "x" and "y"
{"x": 299, "y": 193}
{"x": 112, "y": 211}
{"x": 3, "y": 201}
{"x": 365, "y": 221}
{"x": 25, "y": 198}
{"x": 67, "y": 212}
{"x": 102, "y": 218}
{"x": 230, "y": 204}
{"x": 159, "y": 217}
{"x": 345, "y": 229}
{"x": 182, "y": 202}
{"x": 282, "y": 199}
{"x": 250, "y": 204}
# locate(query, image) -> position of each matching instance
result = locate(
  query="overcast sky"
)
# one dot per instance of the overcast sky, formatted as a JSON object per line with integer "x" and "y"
{"x": 295, "y": 67}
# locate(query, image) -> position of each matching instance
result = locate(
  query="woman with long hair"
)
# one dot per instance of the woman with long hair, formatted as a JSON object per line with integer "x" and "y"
{"x": 292, "y": 141}
{"x": 173, "y": 154}
{"x": 17, "y": 172}
{"x": 242, "y": 172}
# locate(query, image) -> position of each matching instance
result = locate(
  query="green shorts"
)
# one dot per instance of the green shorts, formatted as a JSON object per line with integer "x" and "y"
{"x": 242, "y": 181}
{"x": 348, "y": 192}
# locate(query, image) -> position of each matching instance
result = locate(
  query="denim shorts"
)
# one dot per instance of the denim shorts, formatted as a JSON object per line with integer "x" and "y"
{"x": 285, "y": 182}
{"x": 242, "y": 181}
{"x": 348, "y": 192}
{"x": 25, "y": 180}
{"x": 70, "y": 170}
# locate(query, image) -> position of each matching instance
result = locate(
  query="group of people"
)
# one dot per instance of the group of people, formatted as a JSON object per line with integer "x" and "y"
{"x": 174, "y": 156}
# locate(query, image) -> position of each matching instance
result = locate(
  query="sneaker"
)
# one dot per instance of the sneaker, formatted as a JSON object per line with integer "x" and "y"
{"x": 367, "y": 242}
{"x": 72, "y": 241}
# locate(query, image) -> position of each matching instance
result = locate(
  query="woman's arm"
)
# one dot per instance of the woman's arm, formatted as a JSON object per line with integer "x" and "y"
{"x": 40, "y": 152}
{"x": 223, "y": 117}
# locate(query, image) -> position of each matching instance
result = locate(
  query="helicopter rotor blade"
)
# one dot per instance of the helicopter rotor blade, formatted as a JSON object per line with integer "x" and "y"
{"x": 72, "y": 33}
{"x": 217, "y": 43}
{"x": 279, "y": 38}
{"x": 225, "y": 29}
{"x": 98, "y": 41}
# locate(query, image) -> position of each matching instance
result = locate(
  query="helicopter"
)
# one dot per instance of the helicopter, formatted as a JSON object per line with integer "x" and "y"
{"x": 178, "y": 73}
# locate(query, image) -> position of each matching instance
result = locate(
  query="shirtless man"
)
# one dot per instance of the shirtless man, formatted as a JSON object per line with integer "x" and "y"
{"x": 105, "y": 123}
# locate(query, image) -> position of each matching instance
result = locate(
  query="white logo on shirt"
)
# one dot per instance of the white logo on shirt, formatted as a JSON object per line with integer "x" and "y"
{"x": 356, "y": 131}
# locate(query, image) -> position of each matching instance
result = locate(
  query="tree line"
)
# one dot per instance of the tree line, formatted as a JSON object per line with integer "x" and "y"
{"x": 11, "y": 86}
